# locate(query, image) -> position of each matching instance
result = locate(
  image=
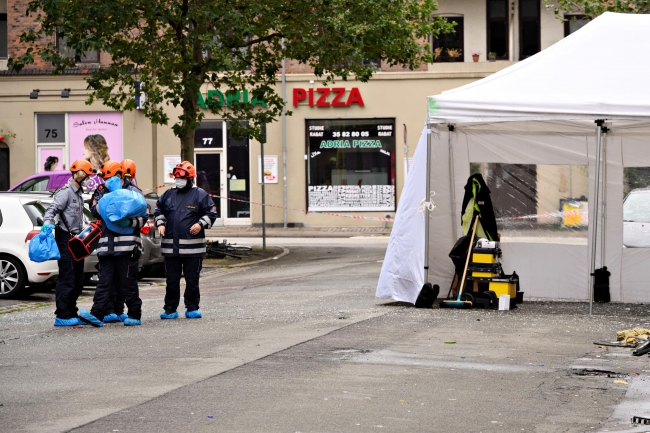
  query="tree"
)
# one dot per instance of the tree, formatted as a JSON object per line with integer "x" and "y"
{"x": 169, "y": 49}
{"x": 593, "y": 8}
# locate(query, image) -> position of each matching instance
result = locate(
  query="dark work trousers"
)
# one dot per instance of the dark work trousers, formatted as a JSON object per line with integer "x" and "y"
{"x": 70, "y": 282}
{"x": 115, "y": 302}
{"x": 117, "y": 274}
{"x": 191, "y": 268}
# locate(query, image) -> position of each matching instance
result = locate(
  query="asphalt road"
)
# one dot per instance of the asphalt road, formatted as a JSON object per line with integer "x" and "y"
{"x": 300, "y": 344}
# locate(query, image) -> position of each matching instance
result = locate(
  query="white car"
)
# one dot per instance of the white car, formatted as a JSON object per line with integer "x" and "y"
{"x": 636, "y": 219}
{"x": 21, "y": 217}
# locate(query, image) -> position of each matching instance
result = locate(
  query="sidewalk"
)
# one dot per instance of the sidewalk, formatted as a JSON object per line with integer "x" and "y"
{"x": 297, "y": 232}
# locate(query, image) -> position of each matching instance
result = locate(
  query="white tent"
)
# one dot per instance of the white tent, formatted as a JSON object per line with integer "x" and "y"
{"x": 541, "y": 112}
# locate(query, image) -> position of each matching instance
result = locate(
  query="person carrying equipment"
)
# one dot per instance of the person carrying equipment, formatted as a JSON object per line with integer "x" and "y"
{"x": 182, "y": 214}
{"x": 115, "y": 306}
{"x": 118, "y": 256}
{"x": 68, "y": 204}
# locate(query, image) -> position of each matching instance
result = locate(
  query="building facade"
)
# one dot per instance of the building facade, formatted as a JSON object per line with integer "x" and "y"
{"x": 345, "y": 143}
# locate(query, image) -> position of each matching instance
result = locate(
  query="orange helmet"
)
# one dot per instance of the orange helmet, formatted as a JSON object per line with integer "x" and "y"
{"x": 109, "y": 169}
{"x": 82, "y": 165}
{"x": 184, "y": 169}
{"x": 128, "y": 167}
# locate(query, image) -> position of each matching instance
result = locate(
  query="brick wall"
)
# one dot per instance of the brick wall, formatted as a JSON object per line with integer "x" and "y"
{"x": 18, "y": 22}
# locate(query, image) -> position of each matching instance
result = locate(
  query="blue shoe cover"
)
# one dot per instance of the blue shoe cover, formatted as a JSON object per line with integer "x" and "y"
{"x": 89, "y": 318}
{"x": 73, "y": 321}
{"x": 112, "y": 318}
{"x": 196, "y": 314}
{"x": 122, "y": 317}
{"x": 173, "y": 315}
{"x": 132, "y": 322}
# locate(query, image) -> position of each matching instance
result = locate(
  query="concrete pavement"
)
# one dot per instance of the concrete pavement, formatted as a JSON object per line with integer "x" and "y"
{"x": 301, "y": 344}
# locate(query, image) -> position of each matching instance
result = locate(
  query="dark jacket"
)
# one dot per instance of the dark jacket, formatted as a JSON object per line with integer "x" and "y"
{"x": 116, "y": 244}
{"x": 178, "y": 210}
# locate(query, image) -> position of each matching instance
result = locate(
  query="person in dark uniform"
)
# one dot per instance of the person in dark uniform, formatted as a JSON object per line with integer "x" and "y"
{"x": 115, "y": 306}
{"x": 118, "y": 257}
{"x": 68, "y": 204}
{"x": 182, "y": 214}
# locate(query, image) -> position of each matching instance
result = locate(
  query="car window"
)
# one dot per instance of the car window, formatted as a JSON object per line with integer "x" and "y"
{"x": 636, "y": 207}
{"x": 37, "y": 184}
{"x": 36, "y": 211}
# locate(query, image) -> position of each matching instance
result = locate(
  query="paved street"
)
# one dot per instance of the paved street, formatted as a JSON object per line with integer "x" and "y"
{"x": 300, "y": 343}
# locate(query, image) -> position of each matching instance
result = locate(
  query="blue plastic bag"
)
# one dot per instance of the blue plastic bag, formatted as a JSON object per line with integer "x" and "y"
{"x": 42, "y": 247}
{"x": 121, "y": 204}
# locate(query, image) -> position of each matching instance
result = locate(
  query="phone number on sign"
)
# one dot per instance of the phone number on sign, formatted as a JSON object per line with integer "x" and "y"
{"x": 336, "y": 134}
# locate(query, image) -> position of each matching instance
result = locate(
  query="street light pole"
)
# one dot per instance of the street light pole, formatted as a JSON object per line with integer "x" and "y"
{"x": 263, "y": 193}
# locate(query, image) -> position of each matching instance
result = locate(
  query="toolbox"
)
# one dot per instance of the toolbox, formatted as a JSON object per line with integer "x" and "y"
{"x": 502, "y": 286}
{"x": 481, "y": 270}
{"x": 486, "y": 255}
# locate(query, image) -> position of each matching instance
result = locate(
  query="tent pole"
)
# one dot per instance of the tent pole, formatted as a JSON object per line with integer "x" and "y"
{"x": 594, "y": 235}
{"x": 452, "y": 180}
{"x": 603, "y": 225}
{"x": 426, "y": 212}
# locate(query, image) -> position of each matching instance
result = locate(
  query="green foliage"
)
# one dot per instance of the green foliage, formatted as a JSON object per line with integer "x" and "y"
{"x": 594, "y": 8}
{"x": 173, "y": 47}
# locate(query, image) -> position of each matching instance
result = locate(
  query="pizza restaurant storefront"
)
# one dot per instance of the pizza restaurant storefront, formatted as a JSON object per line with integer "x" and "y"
{"x": 345, "y": 145}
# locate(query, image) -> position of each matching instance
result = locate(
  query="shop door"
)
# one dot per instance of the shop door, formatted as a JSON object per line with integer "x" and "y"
{"x": 209, "y": 176}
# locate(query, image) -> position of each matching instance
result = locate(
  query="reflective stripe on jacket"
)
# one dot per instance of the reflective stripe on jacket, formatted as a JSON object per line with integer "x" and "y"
{"x": 116, "y": 244}
{"x": 178, "y": 210}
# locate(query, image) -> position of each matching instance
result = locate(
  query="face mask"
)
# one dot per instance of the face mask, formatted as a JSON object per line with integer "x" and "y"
{"x": 86, "y": 182}
{"x": 180, "y": 183}
{"x": 114, "y": 183}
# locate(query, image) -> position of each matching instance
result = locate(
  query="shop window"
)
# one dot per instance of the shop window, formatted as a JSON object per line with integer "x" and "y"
{"x": 442, "y": 45}
{"x": 636, "y": 207}
{"x": 4, "y": 167}
{"x": 238, "y": 177}
{"x": 529, "y": 28}
{"x": 497, "y": 28}
{"x": 538, "y": 201}
{"x": 574, "y": 23}
{"x": 91, "y": 56}
{"x": 4, "y": 44}
{"x": 351, "y": 164}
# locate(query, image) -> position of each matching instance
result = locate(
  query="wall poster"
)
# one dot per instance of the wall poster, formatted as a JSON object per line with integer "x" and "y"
{"x": 96, "y": 137}
{"x": 270, "y": 169}
{"x": 351, "y": 164}
{"x": 169, "y": 162}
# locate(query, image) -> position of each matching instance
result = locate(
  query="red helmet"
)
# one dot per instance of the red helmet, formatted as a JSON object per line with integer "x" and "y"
{"x": 184, "y": 169}
{"x": 128, "y": 167}
{"x": 82, "y": 165}
{"x": 109, "y": 169}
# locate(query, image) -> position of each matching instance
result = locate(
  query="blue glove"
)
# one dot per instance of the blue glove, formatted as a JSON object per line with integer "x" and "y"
{"x": 47, "y": 228}
{"x": 124, "y": 222}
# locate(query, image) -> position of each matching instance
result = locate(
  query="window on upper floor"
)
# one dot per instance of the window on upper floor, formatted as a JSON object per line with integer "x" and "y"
{"x": 91, "y": 56}
{"x": 574, "y": 23}
{"x": 497, "y": 28}
{"x": 3, "y": 35}
{"x": 450, "y": 46}
{"x": 529, "y": 28}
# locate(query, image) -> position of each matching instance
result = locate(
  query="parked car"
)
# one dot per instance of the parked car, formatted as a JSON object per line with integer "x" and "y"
{"x": 21, "y": 218}
{"x": 636, "y": 219}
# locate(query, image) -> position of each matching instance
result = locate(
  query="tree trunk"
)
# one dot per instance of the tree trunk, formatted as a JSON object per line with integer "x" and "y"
{"x": 187, "y": 145}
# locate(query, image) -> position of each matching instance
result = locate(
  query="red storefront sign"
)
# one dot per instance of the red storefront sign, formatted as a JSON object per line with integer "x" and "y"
{"x": 327, "y": 97}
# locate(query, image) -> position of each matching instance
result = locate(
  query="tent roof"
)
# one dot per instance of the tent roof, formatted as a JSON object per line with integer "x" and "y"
{"x": 598, "y": 72}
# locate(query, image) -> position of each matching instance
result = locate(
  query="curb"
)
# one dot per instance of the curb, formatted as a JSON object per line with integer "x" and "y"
{"x": 284, "y": 252}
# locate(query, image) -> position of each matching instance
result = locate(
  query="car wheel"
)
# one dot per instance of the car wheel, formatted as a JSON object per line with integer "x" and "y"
{"x": 12, "y": 277}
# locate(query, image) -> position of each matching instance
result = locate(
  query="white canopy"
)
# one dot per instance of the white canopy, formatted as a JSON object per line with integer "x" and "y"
{"x": 540, "y": 111}
{"x": 598, "y": 72}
